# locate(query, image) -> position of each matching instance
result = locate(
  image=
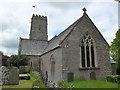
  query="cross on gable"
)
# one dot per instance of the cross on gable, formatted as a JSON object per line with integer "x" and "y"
{"x": 84, "y": 9}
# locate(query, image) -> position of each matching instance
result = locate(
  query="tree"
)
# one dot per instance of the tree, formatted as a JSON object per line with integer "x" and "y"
{"x": 1, "y": 53}
{"x": 115, "y": 50}
{"x": 18, "y": 60}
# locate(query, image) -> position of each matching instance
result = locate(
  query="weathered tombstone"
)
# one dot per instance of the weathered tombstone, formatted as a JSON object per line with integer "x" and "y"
{"x": 4, "y": 75}
{"x": 9, "y": 76}
{"x": 13, "y": 76}
{"x": 70, "y": 77}
{"x": 92, "y": 76}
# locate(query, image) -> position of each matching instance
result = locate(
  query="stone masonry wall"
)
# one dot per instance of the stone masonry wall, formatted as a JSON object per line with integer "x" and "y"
{"x": 45, "y": 61}
{"x": 71, "y": 52}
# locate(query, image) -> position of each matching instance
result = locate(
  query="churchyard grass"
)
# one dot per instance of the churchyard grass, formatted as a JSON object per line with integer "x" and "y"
{"x": 22, "y": 84}
{"x": 34, "y": 81}
{"x": 88, "y": 84}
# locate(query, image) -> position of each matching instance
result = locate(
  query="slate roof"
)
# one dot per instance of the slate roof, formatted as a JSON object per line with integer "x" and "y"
{"x": 32, "y": 47}
{"x": 56, "y": 40}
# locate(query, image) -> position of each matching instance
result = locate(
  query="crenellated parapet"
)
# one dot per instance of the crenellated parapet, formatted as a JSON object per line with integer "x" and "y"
{"x": 35, "y": 16}
{"x": 38, "y": 27}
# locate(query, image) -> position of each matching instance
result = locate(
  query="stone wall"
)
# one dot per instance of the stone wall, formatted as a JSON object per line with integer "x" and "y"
{"x": 34, "y": 62}
{"x": 46, "y": 65}
{"x": 71, "y": 53}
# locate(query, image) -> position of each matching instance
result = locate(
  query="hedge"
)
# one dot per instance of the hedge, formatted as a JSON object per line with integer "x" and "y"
{"x": 113, "y": 78}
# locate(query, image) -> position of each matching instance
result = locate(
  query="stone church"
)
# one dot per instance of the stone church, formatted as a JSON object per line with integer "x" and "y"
{"x": 80, "y": 51}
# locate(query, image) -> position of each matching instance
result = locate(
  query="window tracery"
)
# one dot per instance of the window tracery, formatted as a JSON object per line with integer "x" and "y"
{"x": 87, "y": 51}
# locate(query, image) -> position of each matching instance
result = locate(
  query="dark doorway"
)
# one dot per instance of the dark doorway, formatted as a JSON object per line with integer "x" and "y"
{"x": 31, "y": 64}
{"x": 46, "y": 76}
{"x": 92, "y": 76}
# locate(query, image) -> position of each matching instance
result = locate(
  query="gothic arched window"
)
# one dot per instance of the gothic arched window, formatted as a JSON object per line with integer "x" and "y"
{"x": 87, "y": 52}
{"x": 52, "y": 61}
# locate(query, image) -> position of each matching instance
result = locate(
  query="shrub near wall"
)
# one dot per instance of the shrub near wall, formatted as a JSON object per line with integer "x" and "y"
{"x": 24, "y": 69}
{"x": 113, "y": 78}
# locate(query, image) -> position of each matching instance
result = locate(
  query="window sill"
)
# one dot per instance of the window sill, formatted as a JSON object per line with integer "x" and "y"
{"x": 89, "y": 68}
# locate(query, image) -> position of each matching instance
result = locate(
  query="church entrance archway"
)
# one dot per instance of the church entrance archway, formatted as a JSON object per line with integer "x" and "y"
{"x": 93, "y": 75}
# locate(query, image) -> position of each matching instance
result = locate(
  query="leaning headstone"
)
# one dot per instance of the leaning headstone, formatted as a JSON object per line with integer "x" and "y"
{"x": 13, "y": 76}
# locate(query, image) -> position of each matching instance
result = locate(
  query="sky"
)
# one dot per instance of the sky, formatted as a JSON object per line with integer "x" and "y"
{"x": 15, "y": 18}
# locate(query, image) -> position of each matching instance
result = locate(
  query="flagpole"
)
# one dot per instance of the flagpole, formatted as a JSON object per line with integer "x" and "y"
{"x": 33, "y": 9}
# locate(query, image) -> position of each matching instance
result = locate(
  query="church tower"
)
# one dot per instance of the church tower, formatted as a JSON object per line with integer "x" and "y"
{"x": 38, "y": 29}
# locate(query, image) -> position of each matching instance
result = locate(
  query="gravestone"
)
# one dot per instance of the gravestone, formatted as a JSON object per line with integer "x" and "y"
{"x": 70, "y": 77}
{"x": 92, "y": 76}
{"x": 9, "y": 76}
{"x": 13, "y": 76}
{"x": 4, "y": 75}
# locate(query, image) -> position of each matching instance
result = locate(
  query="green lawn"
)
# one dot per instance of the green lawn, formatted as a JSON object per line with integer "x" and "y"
{"x": 34, "y": 81}
{"x": 88, "y": 84}
{"x": 22, "y": 84}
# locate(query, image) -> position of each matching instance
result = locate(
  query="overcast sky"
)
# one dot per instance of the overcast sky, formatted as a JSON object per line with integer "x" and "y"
{"x": 15, "y": 18}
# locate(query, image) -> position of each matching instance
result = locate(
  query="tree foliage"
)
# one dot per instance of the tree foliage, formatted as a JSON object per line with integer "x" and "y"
{"x": 1, "y": 53}
{"x": 18, "y": 60}
{"x": 115, "y": 50}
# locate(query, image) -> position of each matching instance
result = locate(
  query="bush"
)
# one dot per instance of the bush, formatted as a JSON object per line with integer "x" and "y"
{"x": 113, "y": 78}
{"x": 37, "y": 80}
{"x": 24, "y": 76}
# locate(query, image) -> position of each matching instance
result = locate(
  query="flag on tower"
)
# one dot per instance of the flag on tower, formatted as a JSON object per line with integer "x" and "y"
{"x": 33, "y": 6}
